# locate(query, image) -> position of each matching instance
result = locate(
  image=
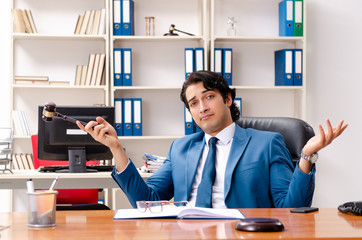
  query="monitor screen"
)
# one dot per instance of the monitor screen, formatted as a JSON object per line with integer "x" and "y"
{"x": 63, "y": 140}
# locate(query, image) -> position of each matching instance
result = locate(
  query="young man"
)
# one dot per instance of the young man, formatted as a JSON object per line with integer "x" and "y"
{"x": 253, "y": 168}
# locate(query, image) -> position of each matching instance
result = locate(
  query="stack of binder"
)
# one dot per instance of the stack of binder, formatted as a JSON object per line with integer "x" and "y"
{"x": 123, "y": 17}
{"x": 122, "y": 66}
{"x": 291, "y": 18}
{"x": 151, "y": 163}
{"x": 288, "y": 67}
{"x": 128, "y": 119}
{"x": 223, "y": 62}
{"x": 194, "y": 60}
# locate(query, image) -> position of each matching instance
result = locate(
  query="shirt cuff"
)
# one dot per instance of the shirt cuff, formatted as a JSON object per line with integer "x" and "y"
{"x": 124, "y": 168}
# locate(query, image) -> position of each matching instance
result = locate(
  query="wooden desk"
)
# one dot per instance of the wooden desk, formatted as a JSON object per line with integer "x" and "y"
{"x": 325, "y": 224}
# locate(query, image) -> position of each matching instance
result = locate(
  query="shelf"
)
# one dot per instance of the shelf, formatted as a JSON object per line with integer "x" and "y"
{"x": 45, "y": 86}
{"x": 150, "y": 137}
{"x": 147, "y": 88}
{"x": 157, "y": 38}
{"x": 257, "y": 39}
{"x": 271, "y": 88}
{"x": 40, "y": 36}
{"x": 21, "y": 137}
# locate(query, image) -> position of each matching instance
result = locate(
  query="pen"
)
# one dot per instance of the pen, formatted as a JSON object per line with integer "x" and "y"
{"x": 53, "y": 184}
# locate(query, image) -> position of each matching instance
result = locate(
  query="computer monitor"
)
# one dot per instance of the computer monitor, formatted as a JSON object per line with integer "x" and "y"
{"x": 63, "y": 140}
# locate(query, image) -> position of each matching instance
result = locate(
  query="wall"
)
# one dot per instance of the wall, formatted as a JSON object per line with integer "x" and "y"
{"x": 334, "y": 83}
{"x": 334, "y": 91}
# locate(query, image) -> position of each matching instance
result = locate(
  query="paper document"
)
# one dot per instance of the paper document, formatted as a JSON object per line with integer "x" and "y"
{"x": 170, "y": 211}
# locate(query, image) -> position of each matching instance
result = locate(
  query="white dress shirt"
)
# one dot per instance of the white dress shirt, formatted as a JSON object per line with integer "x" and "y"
{"x": 223, "y": 146}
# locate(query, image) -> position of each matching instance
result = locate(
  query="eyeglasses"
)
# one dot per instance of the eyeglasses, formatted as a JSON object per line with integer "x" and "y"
{"x": 157, "y": 206}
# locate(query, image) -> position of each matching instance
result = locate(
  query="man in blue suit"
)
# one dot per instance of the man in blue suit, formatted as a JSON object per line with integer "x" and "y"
{"x": 253, "y": 169}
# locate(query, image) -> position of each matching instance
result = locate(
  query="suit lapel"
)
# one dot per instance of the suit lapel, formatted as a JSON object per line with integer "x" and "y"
{"x": 241, "y": 140}
{"x": 192, "y": 162}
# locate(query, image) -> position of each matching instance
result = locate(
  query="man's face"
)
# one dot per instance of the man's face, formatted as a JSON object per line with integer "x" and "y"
{"x": 208, "y": 108}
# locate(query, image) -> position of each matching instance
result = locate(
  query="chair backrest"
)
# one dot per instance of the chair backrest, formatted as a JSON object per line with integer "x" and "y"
{"x": 295, "y": 132}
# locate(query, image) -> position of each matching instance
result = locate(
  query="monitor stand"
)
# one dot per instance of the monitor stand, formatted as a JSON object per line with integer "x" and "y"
{"x": 77, "y": 161}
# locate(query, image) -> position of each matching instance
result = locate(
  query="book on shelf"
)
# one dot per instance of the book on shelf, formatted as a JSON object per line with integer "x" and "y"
{"x": 91, "y": 74}
{"x": 97, "y": 20}
{"x": 31, "y": 78}
{"x": 171, "y": 211}
{"x": 26, "y": 80}
{"x": 92, "y": 22}
{"x": 83, "y": 28}
{"x": 59, "y": 83}
{"x": 23, "y": 21}
{"x": 18, "y": 21}
{"x": 78, "y": 75}
{"x": 33, "y": 82}
{"x": 79, "y": 24}
{"x": 21, "y": 124}
{"x": 26, "y": 21}
{"x": 32, "y": 23}
{"x": 100, "y": 69}
{"x": 84, "y": 75}
{"x": 102, "y": 23}
{"x": 95, "y": 69}
{"x": 90, "y": 69}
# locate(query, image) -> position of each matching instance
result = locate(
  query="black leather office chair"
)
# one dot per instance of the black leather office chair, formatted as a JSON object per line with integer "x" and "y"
{"x": 295, "y": 132}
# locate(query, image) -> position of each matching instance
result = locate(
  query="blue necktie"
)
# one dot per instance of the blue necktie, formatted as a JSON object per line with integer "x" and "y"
{"x": 204, "y": 192}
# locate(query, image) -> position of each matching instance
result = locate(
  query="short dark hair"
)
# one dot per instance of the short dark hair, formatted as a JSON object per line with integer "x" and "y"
{"x": 211, "y": 81}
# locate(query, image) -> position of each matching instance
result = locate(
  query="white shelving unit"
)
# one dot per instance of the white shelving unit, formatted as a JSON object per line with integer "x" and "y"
{"x": 54, "y": 52}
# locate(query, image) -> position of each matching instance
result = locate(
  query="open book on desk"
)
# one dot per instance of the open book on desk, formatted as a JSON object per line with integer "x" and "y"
{"x": 181, "y": 213}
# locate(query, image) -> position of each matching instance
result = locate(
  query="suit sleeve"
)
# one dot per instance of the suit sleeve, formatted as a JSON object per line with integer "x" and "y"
{"x": 289, "y": 187}
{"x": 158, "y": 187}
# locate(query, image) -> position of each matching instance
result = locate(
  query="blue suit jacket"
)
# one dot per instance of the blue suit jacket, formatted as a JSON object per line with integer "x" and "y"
{"x": 259, "y": 173}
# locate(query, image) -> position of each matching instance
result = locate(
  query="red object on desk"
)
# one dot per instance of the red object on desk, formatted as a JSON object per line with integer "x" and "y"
{"x": 66, "y": 196}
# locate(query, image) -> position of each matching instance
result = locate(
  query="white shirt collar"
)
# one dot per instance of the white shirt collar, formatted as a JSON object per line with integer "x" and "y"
{"x": 224, "y": 136}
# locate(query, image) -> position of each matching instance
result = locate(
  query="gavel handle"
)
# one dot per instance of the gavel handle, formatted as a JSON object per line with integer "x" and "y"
{"x": 70, "y": 119}
{"x": 183, "y": 32}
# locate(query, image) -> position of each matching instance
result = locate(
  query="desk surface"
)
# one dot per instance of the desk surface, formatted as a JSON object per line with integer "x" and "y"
{"x": 66, "y": 180}
{"x": 325, "y": 224}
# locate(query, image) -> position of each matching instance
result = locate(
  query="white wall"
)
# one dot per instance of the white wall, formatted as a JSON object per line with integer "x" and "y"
{"x": 334, "y": 83}
{"x": 334, "y": 90}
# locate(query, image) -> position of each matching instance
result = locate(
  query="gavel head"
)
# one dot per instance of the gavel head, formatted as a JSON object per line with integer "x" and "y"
{"x": 49, "y": 112}
{"x": 172, "y": 28}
